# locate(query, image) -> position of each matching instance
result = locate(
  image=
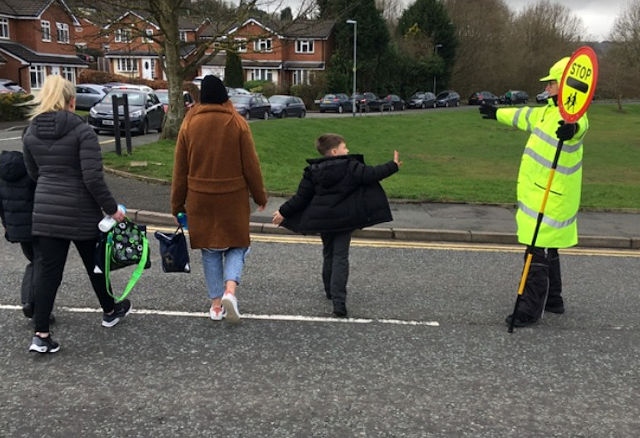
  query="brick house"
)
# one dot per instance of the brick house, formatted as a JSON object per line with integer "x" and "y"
{"x": 37, "y": 39}
{"x": 289, "y": 55}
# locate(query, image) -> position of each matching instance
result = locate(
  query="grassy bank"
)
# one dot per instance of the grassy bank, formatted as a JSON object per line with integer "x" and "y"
{"x": 449, "y": 156}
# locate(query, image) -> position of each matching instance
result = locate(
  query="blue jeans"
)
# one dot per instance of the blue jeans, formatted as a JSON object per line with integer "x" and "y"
{"x": 220, "y": 266}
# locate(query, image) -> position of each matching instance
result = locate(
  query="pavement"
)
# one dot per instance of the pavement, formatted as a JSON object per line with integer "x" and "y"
{"x": 147, "y": 201}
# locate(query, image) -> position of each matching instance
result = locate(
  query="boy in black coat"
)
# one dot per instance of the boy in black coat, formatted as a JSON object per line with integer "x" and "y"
{"x": 16, "y": 207}
{"x": 337, "y": 195}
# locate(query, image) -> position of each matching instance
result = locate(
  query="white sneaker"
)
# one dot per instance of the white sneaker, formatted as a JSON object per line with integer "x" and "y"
{"x": 217, "y": 315}
{"x": 230, "y": 304}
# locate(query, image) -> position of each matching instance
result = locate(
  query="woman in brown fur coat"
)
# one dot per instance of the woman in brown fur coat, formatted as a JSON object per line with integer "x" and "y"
{"x": 215, "y": 170}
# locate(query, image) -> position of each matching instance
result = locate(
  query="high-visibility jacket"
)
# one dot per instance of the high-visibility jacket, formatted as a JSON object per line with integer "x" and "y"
{"x": 559, "y": 227}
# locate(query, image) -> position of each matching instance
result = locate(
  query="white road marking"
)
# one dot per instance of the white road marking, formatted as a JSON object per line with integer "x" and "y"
{"x": 294, "y": 318}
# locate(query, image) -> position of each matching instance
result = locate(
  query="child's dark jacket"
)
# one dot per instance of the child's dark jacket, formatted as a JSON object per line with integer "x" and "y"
{"x": 16, "y": 197}
{"x": 338, "y": 194}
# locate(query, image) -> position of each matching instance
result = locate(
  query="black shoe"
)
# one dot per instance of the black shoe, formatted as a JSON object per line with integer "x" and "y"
{"x": 120, "y": 310}
{"x": 328, "y": 294}
{"x": 27, "y": 309}
{"x": 554, "y": 308}
{"x": 44, "y": 345}
{"x": 521, "y": 320}
{"x": 340, "y": 310}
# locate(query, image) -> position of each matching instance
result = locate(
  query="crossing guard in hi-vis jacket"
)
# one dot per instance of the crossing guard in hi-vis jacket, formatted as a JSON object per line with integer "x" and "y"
{"x": 559, "y": 226}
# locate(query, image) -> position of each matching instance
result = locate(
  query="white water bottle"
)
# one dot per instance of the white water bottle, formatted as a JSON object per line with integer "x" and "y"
{"x": 108, "y": 222}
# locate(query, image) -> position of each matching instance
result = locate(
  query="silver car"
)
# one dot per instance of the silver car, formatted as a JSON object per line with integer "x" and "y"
{"x": 88, "y": 95}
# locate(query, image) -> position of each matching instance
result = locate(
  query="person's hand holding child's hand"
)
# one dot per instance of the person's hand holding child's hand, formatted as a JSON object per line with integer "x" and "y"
{"x": 277, "y": 218}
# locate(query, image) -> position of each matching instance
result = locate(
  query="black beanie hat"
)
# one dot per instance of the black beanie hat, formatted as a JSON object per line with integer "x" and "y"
{"x": 212, "y": 90}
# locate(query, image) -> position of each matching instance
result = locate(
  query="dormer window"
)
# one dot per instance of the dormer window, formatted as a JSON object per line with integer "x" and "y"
{"x": 63, "y": 32}
{"x": 262, "y": 45}
{"x": 45, "y": 28}
{"x": 4, "y": 27}
{"x": 304, "y": 46}
{"x": 123, "y": 36}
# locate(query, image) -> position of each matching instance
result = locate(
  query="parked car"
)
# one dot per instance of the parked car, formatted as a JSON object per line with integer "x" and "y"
{"x": 447, "y": 98}
{"x": 9, "y": 86}
{"x": 121, "y": 86}
{"x": 232, "y": 91}
{"x": 513, "y": 97}
{"x": 338, "y": 102}
{"x": 251, "y": 105}
{"x": 422, "y": 99}
{"x": 483, "y": 98}
{"x": 395, "y": 102}
{"x": 88, "y": 95}
{"x": 542, "y": 97}
{"x": 367, "y": 101}
{"x": 145, "y": 111}
{"x": 163, "y": 95}
{"x": 287, "y": 106}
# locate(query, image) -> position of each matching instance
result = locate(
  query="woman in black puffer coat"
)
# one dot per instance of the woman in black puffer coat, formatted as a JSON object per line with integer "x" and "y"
{"x": 63, "y": 156}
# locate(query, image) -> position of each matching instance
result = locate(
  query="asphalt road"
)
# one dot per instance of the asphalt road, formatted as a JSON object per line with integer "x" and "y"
{"x": 427, "y": 353}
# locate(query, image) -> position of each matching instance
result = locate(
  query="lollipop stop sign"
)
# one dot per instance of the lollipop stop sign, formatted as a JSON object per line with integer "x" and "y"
{"x": 578, "y": 84}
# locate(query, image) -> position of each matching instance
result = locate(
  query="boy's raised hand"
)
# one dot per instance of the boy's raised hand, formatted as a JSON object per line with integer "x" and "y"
{"x": 396, "y": 158}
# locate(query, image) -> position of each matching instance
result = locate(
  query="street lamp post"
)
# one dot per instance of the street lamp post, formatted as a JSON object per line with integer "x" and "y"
{"x": 435, "y": 51}
{"x": 355, "y": 39}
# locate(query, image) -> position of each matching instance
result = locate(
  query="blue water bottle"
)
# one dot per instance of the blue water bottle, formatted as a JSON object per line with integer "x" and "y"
{"x": 182, "y": 219}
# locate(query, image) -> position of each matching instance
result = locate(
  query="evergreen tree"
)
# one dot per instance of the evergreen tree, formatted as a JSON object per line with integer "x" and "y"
{"x": 372, "y": 45}
{"x": 429, "y": 38}
{"x": 233, "y": 76}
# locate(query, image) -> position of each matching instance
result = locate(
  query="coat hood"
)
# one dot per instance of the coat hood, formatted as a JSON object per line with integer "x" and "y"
{"x": 54, "y": 124}
{"x": 329, "y": 171}
{"x": 12, "y": 166}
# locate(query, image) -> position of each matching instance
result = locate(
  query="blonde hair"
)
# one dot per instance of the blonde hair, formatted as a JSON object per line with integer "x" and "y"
{"x": 55, "y": 95}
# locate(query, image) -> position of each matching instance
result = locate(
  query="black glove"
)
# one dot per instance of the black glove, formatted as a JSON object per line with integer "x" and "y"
{"x": 566, "y": 131}
{"x": 488, "y": 111}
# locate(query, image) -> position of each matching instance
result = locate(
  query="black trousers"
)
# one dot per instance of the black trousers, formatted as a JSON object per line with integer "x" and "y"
{"x": 335, "y": 265}
{"x": 544, "y": 282}
{"x": 50, "y": 259}
{"x": 27, "y": 291}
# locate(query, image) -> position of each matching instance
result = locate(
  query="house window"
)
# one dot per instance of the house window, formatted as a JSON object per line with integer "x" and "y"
{"x": 148, "y": 36}
{"x": 37, "y": 76}
{"x": 127, "y": 65}
{"x": 63, "y": 32}
{"x": 4, "y": 27}
{"x": 304, "y": 46}
{"x": 123, "y": 36}
{"x": 241, "y": 45}
{"x": 302, "y": 77}
{"x": 69, "y": 73}
{"x": 262, "y": 45}
{"x": 261, "y": 74}
{"x": 45, "y": 27}
{"x": 182, "y": 35}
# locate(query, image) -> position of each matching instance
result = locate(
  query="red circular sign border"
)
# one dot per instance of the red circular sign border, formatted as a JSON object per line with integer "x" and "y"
{"x": 589, "y": 52}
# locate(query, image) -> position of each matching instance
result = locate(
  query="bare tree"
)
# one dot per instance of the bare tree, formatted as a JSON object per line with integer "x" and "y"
{"x": 483, "y": 61}
{"x": 620, "y": 67}
{"x": 542, "y": 34}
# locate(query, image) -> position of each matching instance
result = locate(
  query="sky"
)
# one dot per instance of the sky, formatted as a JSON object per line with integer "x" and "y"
{"x": 597, "y": 15}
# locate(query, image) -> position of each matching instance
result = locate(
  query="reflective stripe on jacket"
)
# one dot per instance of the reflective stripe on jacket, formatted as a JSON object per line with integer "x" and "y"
{"x": 559, "y": 228}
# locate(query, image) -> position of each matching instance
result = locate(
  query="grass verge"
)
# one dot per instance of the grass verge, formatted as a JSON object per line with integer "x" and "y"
{"x": 448, "y": 156}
